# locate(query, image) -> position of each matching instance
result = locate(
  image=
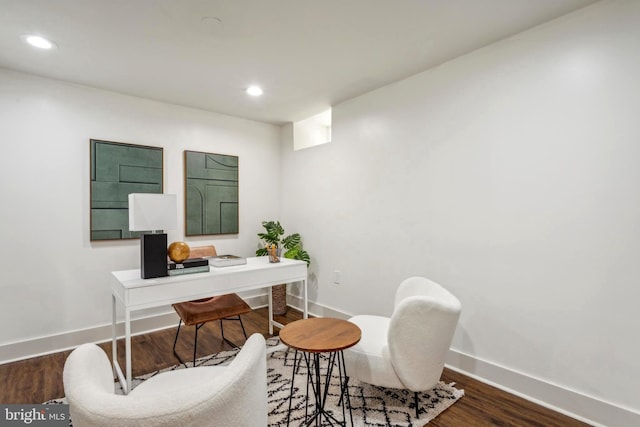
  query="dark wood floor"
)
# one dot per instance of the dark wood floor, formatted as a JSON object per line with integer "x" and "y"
{"x": 40, "y": 379}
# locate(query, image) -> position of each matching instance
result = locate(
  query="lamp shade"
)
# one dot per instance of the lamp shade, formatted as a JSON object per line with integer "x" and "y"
{"x": 152, "y": 211}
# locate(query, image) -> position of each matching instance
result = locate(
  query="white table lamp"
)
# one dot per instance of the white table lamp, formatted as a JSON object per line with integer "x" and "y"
{"x": 153, "y": 212}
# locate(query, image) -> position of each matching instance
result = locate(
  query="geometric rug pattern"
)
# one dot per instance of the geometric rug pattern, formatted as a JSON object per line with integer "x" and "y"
{"x": 371, "y": 405}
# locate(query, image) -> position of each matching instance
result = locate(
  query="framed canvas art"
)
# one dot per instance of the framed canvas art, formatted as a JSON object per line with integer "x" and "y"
{"x": 211, "y": 193}
{"x": 118, "y": 169}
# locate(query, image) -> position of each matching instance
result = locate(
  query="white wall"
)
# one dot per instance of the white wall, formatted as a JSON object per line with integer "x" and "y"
{"x": 510, "y": 176}
{"x": 54, "y": 280}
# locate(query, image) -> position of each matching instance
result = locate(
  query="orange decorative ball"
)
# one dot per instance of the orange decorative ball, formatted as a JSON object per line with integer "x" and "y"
{"x": 178, "y": 251}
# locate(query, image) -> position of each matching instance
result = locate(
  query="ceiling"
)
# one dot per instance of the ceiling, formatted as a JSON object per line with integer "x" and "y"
{"x": 306, "y": 55}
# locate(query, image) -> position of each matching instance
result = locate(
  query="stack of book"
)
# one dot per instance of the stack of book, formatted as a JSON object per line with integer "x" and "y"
{"x": 188, "y": 266}
{"x": 227, "y": 260}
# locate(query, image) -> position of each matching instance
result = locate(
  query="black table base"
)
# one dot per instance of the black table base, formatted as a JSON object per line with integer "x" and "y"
{"x": 321, "y": 391}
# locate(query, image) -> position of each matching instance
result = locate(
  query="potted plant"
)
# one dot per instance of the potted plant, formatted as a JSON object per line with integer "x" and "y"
{"x": 292, "y": 246}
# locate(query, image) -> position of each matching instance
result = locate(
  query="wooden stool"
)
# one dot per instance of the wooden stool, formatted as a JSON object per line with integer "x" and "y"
{"x": 199, "y": 312}
{"x": 312, "y": 337}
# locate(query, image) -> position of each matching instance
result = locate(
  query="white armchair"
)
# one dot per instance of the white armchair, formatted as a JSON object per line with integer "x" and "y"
{"x": 233, "y": 395}
{"x": 407, "y": 350}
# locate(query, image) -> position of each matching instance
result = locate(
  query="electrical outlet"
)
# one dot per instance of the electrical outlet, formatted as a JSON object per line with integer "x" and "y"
{"x": 336, "y": 276}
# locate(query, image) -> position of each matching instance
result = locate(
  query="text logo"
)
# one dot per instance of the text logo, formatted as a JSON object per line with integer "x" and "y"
{"x": 34, "y": 415}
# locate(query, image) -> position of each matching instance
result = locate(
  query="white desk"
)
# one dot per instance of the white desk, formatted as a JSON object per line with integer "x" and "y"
{"x": 135, "y": 293}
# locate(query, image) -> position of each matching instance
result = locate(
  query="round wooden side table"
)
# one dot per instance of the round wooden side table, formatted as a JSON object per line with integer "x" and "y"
{"x": 311, "y": 337}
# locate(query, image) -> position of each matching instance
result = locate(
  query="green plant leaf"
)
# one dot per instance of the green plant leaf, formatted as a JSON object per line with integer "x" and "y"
{"x": 261, "y": 252}
{"x": 291, "y": 241}
{"x": 273, "y": 228}
{"x": 299, "y": 254}
{"x": 292, "y": 253}
{"x": 304, "y": 256}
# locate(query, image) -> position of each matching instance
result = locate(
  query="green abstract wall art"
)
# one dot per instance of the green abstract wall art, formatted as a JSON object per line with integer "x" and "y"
{"x": 118, "y": 169}
{"x": 211, "y": 193}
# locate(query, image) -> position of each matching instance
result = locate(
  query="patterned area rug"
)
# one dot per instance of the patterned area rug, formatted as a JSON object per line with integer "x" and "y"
{"x": 371, "y": 405}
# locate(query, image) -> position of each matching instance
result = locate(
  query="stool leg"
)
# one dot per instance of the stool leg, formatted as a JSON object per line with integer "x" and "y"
{"x": 346, "y": 388}
{"x": 222, "y": 329}
{"x": 242, "y": 324}
{"x": 177, "y": 333}
{"x": 293, "y": 375}
{"x": 195, "y": 343}
{"x": 175, "y": 353}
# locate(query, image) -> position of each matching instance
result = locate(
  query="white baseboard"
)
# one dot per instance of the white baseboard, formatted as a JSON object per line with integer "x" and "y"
{"x": 42, "y": 346}
{"x": 316, "y": 310}
{"x": 65, "y": 341}
{"x": 561, "y": 399}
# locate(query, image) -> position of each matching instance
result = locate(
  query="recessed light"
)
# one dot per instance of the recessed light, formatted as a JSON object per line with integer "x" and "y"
{"x": 211, "y": 21}
{"x": 39, "y": 42}
{"x": 254, "y": 90}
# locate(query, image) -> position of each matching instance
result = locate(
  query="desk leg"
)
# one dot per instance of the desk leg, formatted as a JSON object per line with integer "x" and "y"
{"x": 114, "y": 335}
{"x": 305, "y": 310}
{"x": 269, "y": 294}
{"x": 124, "y": 384}
{"x": 127, "y": 342}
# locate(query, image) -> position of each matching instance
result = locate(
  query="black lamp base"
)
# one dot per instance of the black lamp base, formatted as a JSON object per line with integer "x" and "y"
{"x": 153, "y": 255}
